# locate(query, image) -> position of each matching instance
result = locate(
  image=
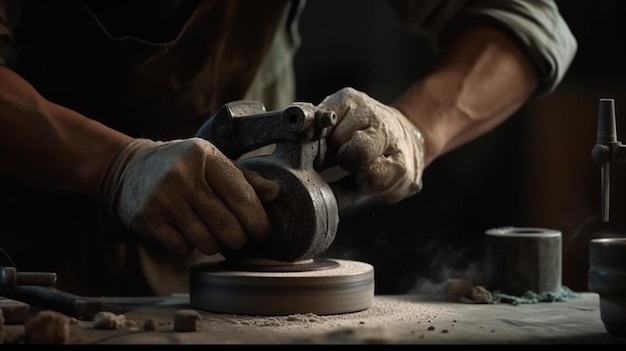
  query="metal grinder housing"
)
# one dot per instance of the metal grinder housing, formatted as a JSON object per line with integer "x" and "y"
{"x": 304, "y": 217}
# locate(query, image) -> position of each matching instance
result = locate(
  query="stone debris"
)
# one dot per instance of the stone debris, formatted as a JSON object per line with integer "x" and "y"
{"x": 459, "y": 290}
{"x": 108, "y": 320}
{"x": 479, "y": 294}
{"x": 187, "y": 320}
{"x": 150, "y": 324}
{"x": 563, "y": 294}
{"x": 456, "y": 289}
{"x": 47, "y": 327}
{"x": 15, "y": 312}
{"x": 1, "y": 327}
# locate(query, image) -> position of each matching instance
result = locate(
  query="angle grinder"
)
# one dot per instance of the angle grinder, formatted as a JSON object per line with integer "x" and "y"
{"x": 283, "y": 274}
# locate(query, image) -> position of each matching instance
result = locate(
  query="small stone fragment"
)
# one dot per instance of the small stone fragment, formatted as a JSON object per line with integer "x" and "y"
{"x": 1, "y": 327}
{"x": 108, "y": 320}
{"x": 150, "y": 324}
{"x": 186, "y": 320}
{"x": 481, "y": 295}
{"x": 456, "y": 289}
{"x": 459, "y": 290}
{"x": 14, "y": 312}
{"x": 47, "y": 327}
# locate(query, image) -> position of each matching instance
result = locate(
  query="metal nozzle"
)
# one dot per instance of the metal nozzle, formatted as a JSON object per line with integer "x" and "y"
{"x": 602, "y": 151}
{"x": 607, "y": 132}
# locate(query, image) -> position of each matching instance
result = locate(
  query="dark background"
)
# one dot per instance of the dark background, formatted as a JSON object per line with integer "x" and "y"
{"x": 535, "y": 170}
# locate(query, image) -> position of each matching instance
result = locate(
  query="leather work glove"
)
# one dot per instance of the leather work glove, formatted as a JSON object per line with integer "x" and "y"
{"x": 185, "y": 194}
{"x": 377, "y": 144}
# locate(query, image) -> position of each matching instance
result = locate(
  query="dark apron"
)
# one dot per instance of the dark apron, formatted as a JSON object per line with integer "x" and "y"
{"x": 162, "y": 87}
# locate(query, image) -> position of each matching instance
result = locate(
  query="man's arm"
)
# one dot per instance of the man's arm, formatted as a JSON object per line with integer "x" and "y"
{"x": 492, "y": 57}
{"x": 482, "y": 78}
{"x": 182, "y": 194}
{"x": 48, "y": 144}
{"x": 535, "y": 25}
{"x": 43, "y": 142}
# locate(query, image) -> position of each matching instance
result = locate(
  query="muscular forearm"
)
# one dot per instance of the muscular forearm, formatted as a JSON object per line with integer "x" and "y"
{"x": 50, "y": 145}
{"x": 482, "y": 79}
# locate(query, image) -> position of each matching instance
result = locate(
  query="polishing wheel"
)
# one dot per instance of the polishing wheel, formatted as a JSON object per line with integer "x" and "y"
{"x": 320, "y": 286}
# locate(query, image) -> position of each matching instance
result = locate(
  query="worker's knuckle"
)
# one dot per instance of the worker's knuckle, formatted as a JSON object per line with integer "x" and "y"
{"x": 196, "y": 145}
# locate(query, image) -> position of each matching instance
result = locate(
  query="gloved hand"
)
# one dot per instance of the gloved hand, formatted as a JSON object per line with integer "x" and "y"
{"x": 377, "y": 144}
{"x": 185, "y": 193}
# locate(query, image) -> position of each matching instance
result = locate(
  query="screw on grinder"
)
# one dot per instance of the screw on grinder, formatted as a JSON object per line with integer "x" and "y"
{"x": 282, "y": 274}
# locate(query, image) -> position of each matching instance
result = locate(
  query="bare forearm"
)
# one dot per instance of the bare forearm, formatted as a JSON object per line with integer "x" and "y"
{"x": 482, "y": 79}
{"x": 50, "y": 145}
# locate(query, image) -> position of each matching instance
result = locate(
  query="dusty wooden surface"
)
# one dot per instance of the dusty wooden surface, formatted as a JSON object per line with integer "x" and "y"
{"x": 402, "y": 319}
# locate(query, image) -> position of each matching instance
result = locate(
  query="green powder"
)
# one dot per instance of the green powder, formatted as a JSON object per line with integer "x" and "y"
{"x": 563, "y": 294}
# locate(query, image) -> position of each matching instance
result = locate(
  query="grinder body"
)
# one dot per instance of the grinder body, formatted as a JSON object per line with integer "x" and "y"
{"x": 304, "y": 217}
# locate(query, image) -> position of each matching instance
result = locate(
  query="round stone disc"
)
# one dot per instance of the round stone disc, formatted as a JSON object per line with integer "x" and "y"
{"x": 331, "y": 286}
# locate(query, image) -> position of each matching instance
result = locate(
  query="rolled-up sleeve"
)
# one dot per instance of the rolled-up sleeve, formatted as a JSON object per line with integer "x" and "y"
{"x": 536, "y": 25}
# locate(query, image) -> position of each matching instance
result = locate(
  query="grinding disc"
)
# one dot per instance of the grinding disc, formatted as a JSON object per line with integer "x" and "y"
{"x": 319, "y": 286}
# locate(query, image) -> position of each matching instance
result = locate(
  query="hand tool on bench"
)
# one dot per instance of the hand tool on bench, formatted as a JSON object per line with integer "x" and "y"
{"x": 283, "y": 274}
{"x": 36, "y": 290}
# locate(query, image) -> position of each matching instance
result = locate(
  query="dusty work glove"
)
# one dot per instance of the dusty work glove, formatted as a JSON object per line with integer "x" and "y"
{"x": 377, "y": 144}
{"x": 186, "y": 194}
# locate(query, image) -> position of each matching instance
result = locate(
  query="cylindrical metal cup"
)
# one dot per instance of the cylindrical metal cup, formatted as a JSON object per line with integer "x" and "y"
{"x": 522, "y": 259}
{"x": 607, "y": 278}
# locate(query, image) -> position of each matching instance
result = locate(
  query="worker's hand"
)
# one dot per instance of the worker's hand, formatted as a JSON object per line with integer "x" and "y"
{"x": 185, "y": 193}
{"x": 377, "y": 144}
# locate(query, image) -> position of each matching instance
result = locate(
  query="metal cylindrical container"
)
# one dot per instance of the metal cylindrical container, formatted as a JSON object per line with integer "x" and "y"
{"x": 607, "y": 278}
{"x": 522, "y": 259}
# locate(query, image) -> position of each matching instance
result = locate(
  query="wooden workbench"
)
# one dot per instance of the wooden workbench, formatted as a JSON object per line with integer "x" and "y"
{"x": 403, "y": 319}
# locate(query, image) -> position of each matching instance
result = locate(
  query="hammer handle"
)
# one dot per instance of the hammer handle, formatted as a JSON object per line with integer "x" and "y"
{"x": 54, "y": 299}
